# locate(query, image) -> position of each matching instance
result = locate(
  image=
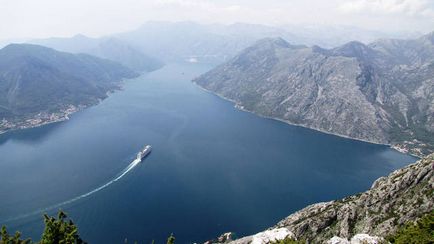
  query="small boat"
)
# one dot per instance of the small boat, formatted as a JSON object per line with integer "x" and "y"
{"x": 144, "y": 152}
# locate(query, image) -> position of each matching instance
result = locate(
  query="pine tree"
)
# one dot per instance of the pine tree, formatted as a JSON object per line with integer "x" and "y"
{"x": 5, "y": 238}
{"x": 60, "y": 230}
{"x": 171, "y": 239}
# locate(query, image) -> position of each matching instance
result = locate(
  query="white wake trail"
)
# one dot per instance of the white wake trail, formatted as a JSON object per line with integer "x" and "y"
{"x": 131, "y": 166}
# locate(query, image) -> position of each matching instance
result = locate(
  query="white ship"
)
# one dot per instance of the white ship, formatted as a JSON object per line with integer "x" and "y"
{"x": 144, "y": 152}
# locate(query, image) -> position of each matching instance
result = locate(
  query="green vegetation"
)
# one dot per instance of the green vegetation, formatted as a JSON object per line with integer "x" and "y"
{"x": 49, "y": 81}
{"x": 421, "y": 232}
{"x": 5, "y": 238}
{"x": 57, "y": 230}
{"x": 288, "y": 241}
{"x": 63, "y": 231}
{"x": 171, "y": 239}
{"x": 60, "y": 230}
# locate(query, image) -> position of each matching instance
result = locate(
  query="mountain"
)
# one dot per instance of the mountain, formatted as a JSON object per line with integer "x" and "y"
{"x": 119, "y": 51}
{"x": 5, "y": 42}
{"x": 75, "y": 44}
{"x": 335, "y": 35}
{"x": 194, "y": 42}
{"x": 40, "y": 85}
{"x": 183, "y": 41}
{"x": 392, "y": 202}
{"x": 382, "y": 92}
{"x": 215, "y": 43}
{"x": 108, "y": 48}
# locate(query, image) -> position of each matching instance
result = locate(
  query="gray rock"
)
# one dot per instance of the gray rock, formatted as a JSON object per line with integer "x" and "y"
{"x": 382, "y": 92}
{"x": 403, "y": 196}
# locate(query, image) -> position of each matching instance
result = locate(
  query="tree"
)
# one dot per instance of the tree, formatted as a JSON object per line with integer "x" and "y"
{"x": 61, "y": 230}
{"x": 419, "y": 232}
{"x": 287, "y": 240}
{"x": 171, "y": 239}
{"x": 5, "y": 238}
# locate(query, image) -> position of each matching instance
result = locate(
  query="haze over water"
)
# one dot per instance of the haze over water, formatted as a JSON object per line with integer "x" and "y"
{"x": 213, "y": 168}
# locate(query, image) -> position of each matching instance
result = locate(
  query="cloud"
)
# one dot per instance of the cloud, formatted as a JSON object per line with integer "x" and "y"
{"x": 45, "y": 18}
{"x": 184, "y": 3}
{"x": 201, "y": 5}
{"x": 414, "y": 8}
{"x": 208, "y": 11}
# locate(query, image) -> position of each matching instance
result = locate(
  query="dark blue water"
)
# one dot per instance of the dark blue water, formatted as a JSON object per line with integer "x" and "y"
{"x": 212, "y": 169}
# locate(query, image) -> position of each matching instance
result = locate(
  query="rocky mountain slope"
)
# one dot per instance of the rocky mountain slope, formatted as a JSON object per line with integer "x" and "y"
{"x": 382, "y": 92}
{"x": 108, "y": 48}
{"x": 40, "y": 85}
{"x": 403, "y": 196}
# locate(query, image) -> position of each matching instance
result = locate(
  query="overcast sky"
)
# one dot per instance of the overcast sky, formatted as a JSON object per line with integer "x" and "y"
{"x": 46, "y": 18}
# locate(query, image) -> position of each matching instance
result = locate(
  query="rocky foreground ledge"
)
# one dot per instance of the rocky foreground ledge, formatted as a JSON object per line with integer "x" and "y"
{"x": 403, "y": 196}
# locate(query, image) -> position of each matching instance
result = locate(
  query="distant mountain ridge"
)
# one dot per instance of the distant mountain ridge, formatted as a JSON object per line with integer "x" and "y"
{"x": 215, "y": 43}
{"x": 210, "y": 43}
{"x": 109, "y": 48}
{"x": 125, "y": 54}
{"x": 382, "y": 92}
{"x": 40, "y": 85}
{"x": 182, "y": 41}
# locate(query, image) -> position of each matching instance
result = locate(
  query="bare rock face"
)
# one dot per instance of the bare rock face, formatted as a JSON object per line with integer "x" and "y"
{"x": 402, "y": 197}
{"x": 338, "y": 240}
{"x": 357, "y": 239}
{"x": 266, "y": 236}
{"x": 392, "y": 201}
{"x": 224, "y": 238}
{"x": 366, "y": 239}
{"x": 382, "y": 92}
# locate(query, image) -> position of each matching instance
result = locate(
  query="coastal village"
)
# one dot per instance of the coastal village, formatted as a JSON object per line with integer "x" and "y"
{"x": 414, "y": 147}
{"x": 39, "y": 119}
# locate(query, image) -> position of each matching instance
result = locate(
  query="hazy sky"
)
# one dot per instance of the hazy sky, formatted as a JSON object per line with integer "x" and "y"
{"x": 45, "y": 18}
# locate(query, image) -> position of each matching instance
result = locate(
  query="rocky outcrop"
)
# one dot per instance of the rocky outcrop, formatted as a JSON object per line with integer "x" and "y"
{"x": 266, "y": 236}
{"x": 382, "y": 92}
{"x": 357, "y": 239}
{"x": 403, "y": 196}
{"x": 224, "y": 238}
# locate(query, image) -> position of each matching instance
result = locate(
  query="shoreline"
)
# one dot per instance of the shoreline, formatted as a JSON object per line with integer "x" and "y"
{"x": 64, "y": 115}
{"x": 241, "y": 108}
{"x": 34, "y": 126}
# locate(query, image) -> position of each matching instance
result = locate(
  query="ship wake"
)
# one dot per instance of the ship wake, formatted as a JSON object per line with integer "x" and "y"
{"x": 125, "y": 171}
